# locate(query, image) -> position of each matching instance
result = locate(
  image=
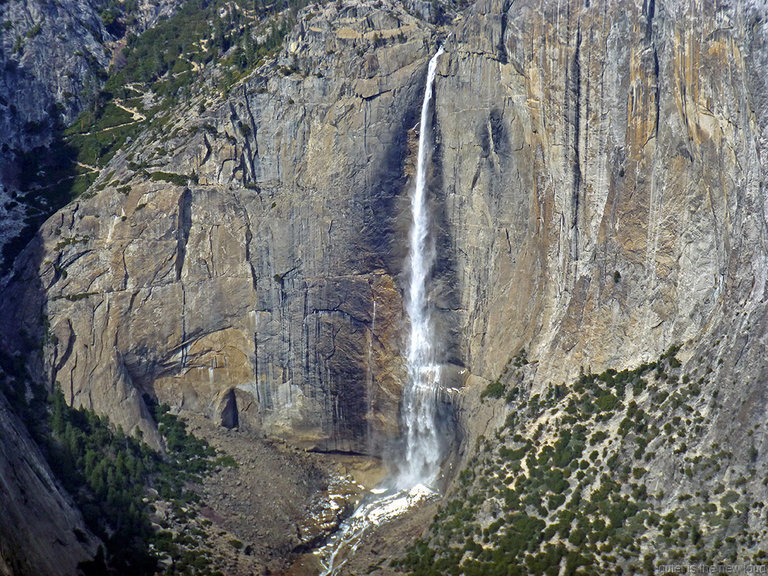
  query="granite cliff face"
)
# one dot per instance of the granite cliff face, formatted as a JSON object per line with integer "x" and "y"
{"x": 616, "y": 168}
{"x": 609, "y": 160}
{"x": 54, "y": 58}
{"x": 597, "y": 192}
{"x": 262, "y": 273}
{"x": 42, "y": 531}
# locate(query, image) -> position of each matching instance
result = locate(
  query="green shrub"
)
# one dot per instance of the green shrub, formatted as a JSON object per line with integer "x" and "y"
{"x": 177, "y": 179}
{"x": 494, "y": 390}
{"x": 236, "y": 544}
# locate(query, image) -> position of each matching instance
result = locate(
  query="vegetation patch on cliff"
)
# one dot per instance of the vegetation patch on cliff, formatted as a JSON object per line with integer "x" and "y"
{"x": 143, "y": 504}
{"x": 199, "y": 52}
{"x": 119, "y": 483}
{"x": 608, "y": 475}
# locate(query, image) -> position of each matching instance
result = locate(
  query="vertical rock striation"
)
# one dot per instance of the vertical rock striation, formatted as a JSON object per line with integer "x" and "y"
{"x": 601, "y": 174}
{"x": 599, "y": 197}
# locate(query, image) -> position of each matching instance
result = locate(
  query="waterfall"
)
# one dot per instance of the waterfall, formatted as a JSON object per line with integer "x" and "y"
{"x": 422, "y": 447}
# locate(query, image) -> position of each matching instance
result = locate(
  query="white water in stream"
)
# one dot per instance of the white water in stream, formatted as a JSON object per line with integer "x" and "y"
{"x": 421, "y": 460}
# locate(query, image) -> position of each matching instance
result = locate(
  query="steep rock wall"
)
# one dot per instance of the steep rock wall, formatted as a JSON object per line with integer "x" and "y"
{"x": 50, "y": 57}
{"x": 42, "y": 532}
{"x": 597, "y": 197}
{"x": 259, "y": 267}
{"x": 54, "y": 58}
{"x": 601, "y": 177}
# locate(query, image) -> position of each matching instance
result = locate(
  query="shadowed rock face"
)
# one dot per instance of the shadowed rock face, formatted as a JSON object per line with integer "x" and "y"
{"x": 42, "y": 532}
{"x": 596, "y": 189}
{"x": 50, "y": 58}
{"x": 53, "y": 55}
{"x": 53, "y": 60}
{"x": 263, "y": 273}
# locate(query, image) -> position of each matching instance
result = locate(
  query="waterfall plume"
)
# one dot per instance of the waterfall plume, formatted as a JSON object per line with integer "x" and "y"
{"x": 421, "y": 458}
{"x": 422, "y": 446}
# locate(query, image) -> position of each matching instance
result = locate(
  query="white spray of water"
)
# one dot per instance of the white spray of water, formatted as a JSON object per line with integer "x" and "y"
{"x": 420, "y": 393}
{"x": 422, "y": 446}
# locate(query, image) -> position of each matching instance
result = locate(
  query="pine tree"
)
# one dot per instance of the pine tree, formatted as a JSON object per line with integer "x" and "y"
{"x": 90, "y": 461}
{"x": 120, "y": 467}
{"x": 57, "y": 413}
{"x": 96, "y": 479}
